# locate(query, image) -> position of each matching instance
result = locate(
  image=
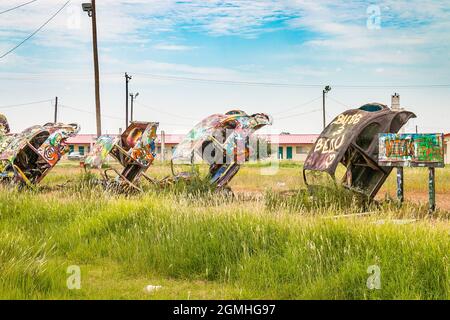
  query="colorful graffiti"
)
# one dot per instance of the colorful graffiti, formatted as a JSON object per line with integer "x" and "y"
{"x": 144, "y": 146}
{"x": 135, "y": 150}
{"x": 222, "y": 141}
{"x": 409, "y": 150}
{"x": 4, "y": 126}
{"x": 351, "y": 141}
{"x": 27, "y": 157}
{"x": 100, "y": 151}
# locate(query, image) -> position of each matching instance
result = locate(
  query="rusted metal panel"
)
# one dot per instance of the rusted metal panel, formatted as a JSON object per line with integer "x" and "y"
{"x": 351, "y": 139}
{"x": 411, "y": 150}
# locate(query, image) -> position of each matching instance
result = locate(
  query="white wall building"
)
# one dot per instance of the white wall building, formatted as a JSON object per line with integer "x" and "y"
{"x": 294, "y": 146}
{"x": 447, "y": 148}
{"x": 289, "y": 146}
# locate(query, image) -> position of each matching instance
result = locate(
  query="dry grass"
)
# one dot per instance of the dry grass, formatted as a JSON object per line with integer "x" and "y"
{"x": 258, "y": 245}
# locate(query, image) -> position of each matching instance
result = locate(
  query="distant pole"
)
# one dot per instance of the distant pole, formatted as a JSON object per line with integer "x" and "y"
{"x": 56, "y": 110}
{"x": 163, "y": 145}
{"x": 127, "y": 81}
{"x": 132, "y": 107}
{"x": 133, "y": 97}
{"x": 324, "y": 92}
{"x": 417, "y": 129}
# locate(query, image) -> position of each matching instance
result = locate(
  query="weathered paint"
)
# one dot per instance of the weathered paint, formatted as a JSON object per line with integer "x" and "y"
{"x": 135, "y": 150}
{"x": 100, "y": 151}
{"x": 4, "y": 125}
{"x": 411, "y": 150}
{"x": 41, "y": 148}
{"x": 55, "y": 147}
{"x": 222, "y": 134}
{"x": 351, "y": 140}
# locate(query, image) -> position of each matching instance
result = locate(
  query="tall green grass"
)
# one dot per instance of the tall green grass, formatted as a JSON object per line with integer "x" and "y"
{"x": 260, "y": 253}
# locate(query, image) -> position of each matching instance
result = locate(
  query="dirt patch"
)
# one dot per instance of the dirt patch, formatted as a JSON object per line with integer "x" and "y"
{"x": 442, "y": 199}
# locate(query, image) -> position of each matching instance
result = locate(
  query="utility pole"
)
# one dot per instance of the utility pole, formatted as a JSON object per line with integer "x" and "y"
{"x": 91, "y": 10}
{"x": 127, "y": 80}
{"x": 56, "y": 110}
{"x": 163, "y": 145}
{"x": 324, "y": 92}
{"x": 133, "y": 97}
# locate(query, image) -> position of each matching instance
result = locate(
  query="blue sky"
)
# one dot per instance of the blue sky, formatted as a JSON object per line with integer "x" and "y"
{"x": 353, "y": 43}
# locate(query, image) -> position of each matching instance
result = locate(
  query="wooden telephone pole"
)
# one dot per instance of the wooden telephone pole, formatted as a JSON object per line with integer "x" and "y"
{"x": 91, "y": 10}
{"x": 97, "y": 72}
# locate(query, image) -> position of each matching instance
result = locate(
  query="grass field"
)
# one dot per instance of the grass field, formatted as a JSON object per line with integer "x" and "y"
{"x": 259, "y": 245}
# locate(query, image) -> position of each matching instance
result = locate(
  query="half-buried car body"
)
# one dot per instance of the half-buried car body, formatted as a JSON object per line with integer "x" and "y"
{"x": 27, "y": 157}
{"x": 220, "y": 140}
{"x": 350, "y": 141}
{"x": 135, "y": 150}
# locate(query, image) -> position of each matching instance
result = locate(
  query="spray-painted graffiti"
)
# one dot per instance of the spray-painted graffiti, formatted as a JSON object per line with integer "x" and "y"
{"x": 351, "y": 140}
{"x": 27, "y": 157}
{"x": 4, "y": 126}
{"x": 100, "y": 151}
{"x": 411, "y": 150}
{"x": 221, "y": 140}
{"x": 135, "y": 150}
{"x": 333, "y": 138}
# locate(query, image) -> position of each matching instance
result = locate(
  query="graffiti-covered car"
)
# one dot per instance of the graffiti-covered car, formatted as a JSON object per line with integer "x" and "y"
{"x": 220, "y": 140}
{"x": 26, "y": 158}
{"x": 350, "y": 141}
{"x": 135, "y": 150}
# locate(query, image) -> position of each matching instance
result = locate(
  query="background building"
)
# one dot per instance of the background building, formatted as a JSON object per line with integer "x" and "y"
{"x": 294, "y": 146}
{"x": 290, "y": 146}
{"x": 447, "y": 148}
{"x": 81, "y": 143}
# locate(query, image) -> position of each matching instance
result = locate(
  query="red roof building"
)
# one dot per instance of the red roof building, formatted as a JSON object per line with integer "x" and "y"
{"x": 290, "y": 146}
{"x": 447, "y": 148}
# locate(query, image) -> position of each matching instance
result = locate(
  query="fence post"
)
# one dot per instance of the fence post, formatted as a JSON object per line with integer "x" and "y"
{"x": 432, "y": 189}
{"x": 400, "y": 185}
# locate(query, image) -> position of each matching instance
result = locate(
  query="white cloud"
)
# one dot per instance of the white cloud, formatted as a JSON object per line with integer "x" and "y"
{"x": 411, "y": 46}
{"x": 172, "y": 47}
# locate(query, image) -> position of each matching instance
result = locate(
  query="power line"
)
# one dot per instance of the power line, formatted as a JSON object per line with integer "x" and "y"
{"x": 338, "y": 102}
{"x": 299, "y": 114}
{"x": 119, "y": 118}
{"x": 25, "y": 104}
{"x": 39, "y": 76}
{"x": 165, "y": 112}
{"x": 17, "y": 7}
{"x": 279, "y": 84}
{"x": 225, "y": 82}
{"x": 163, "y": 123}
{"x": 35, "y": 32}
{"x": 87, "y": 111}
{"x": 298, "y": 106}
